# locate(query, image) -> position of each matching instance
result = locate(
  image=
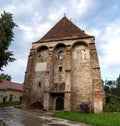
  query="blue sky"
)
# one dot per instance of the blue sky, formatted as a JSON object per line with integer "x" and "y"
{"x": 100, "y": 18}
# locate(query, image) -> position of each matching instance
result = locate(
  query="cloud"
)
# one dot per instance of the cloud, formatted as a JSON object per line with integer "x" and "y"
{"x": 81, "y": 6}
{"x": 108, "y": 46}
{"x": 107, "y": 39}
{"x": 16, "y": 69}
{"x": 33, "y": 32}
{"x": 36, "y": 17}
{"x": 112, "y": 46}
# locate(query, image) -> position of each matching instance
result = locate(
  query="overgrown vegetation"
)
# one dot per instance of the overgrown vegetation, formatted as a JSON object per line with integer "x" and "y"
{"x": 5, "y": 77}
{"x": 106, "y": 119}
{"x": 112, "y": 95}
{"x": 15, "y": 104}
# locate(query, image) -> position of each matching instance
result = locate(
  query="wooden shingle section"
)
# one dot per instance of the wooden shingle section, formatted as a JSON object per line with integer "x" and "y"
{"x": 64, "y": 29}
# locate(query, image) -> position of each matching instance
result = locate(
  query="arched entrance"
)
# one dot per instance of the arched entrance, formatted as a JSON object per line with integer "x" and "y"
{"x": 59, "y": 104}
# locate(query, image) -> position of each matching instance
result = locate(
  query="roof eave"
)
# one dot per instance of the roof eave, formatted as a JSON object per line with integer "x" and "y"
{"x": 61, "y": 39}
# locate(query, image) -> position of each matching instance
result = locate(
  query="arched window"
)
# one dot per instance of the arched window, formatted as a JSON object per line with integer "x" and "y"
{"x": 61, "y": 55}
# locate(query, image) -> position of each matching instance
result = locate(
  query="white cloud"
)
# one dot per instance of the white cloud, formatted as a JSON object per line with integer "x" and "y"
{"x": 16, "y": 69}
{"x": 34, "y": 31}
{"x": 81, "y": 6}
{"x": 36, "y": 17}
{"x": 107, "y": 39}
{"x": 10, "y": 8}
{"x": 112, "y": 45}
{"x": 56, "y": 12}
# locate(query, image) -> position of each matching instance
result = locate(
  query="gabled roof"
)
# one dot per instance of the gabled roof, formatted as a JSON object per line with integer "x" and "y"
{"x": 64, "y": 29}
{"x": 7, "y": 85}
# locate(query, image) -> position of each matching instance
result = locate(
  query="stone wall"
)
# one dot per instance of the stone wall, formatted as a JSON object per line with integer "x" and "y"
{"x": 81, "y": 75}
{"x": 15, "y": 95}
{"x": 73, "y": 63}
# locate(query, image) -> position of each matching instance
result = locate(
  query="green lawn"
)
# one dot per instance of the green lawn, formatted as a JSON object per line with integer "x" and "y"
{"x": 105, "y": 119}
{"x": 9, "y": 104}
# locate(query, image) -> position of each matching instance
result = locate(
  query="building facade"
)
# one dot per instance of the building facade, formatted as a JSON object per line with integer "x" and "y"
{"x": 63, "y": 70}
{"x": 11, "y": 91}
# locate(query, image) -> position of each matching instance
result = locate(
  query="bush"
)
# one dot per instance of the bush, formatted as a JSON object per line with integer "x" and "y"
{"x": 17, "y": 106}
{"x": 112, "y": 108}
{"x": 9, "y": 104}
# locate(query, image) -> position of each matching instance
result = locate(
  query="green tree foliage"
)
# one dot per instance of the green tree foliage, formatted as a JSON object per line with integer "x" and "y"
{"x": 118, "y": 86}
{"x": 5, "y": 77}
{"x": 112, "y": 94}
{"x": 118, "y": 81}
{"x": 6, "y": 37}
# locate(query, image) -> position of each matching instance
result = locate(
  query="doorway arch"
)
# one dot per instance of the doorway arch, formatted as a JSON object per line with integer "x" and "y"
{"x": 59, "y": 103}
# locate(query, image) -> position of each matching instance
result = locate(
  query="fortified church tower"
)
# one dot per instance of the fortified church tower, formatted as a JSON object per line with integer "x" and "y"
{"x": 63, "y": 70}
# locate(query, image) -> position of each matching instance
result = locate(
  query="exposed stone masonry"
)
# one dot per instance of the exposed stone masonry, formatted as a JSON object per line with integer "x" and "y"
{"x": 63, "y": 71}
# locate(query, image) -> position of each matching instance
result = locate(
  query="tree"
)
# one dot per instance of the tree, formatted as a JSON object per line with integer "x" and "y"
{"x": 112, "y": 95}
{"x": 118, "y": 86}
{"x": 6, "y": 37}
{"x": 118, "y": 81}
{"x": 5, "y": 77}
{"x": 110, "y": 83}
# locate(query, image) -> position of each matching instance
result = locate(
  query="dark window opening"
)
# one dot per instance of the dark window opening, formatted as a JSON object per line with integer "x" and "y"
{"x": 39, "y": 84}
{"x": 10, "y": 97}
{"x": 39, "y": 55}
{"x": 60, "y": 69}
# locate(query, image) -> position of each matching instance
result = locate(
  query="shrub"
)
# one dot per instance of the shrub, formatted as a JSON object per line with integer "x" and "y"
{"x": 112, "y": 108}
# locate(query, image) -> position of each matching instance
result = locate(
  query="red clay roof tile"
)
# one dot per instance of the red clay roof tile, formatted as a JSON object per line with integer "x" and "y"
{"x": 5, "y": 85}
{"x": 64, "y": 29}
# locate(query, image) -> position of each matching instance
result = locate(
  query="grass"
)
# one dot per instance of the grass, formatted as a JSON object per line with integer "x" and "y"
{"x": 104, "y": 119}
{"x": 16, "y": 104}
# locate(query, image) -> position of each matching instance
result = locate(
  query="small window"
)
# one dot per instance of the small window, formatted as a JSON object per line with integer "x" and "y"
{"x": 39, "y": 84}
{"x": 84, "y": 54}
{"x": 61, "y": 55}
{"x": 39, "y": 55}
{"x": 60, "y": 69}
{"x": 10, "y": 97}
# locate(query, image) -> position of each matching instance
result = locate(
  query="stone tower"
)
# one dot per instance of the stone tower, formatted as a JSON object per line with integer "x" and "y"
{"x": 63, "y": 70}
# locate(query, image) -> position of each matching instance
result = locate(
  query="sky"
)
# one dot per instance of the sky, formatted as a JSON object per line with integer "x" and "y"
{"x": 100, "y": 18}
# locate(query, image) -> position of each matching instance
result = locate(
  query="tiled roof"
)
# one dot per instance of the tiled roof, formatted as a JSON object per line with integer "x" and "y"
{"x": 6, "y": 85}
{"x": 64, "y": 29}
